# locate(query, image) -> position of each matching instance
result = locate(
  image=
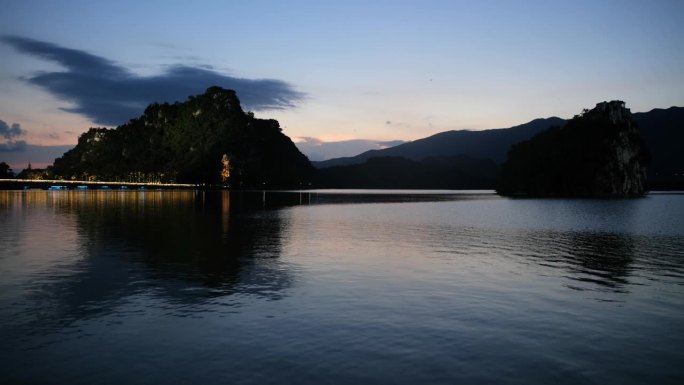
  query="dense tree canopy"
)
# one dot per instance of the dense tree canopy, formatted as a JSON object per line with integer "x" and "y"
{"x": 206, "y": 139}
{"x": 5, "y": 171}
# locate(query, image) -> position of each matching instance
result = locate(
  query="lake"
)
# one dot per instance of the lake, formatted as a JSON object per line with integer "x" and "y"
{"x": 339, "y": 287}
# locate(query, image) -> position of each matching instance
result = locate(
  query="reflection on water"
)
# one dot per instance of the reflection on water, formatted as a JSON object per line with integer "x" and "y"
{"x": 603, "y": 259}
{"x": 185, "y": 248}
{"x": 339, "y": 287}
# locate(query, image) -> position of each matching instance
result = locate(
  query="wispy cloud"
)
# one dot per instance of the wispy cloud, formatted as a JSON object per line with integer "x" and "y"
{"x": 110, "y": 94}
{"x": 8, "y": 134}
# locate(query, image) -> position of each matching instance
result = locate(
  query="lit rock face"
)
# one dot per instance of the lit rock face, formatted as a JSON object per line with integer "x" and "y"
{"x": 596, "y": 154}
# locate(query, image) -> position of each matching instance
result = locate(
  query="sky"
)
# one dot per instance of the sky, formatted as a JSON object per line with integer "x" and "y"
{"x": 333, "y": 70}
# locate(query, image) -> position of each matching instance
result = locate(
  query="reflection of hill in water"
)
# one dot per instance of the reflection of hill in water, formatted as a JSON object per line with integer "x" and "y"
{"x": 603, "y": 259}
{"x": 211, "y": 250}
{"x": 190, "y": 248}
{"x": 587, "y": 260}
{"x": 344, "y": 196}
{"x": 180, "y": 247}
{"x": 598, "y": 261}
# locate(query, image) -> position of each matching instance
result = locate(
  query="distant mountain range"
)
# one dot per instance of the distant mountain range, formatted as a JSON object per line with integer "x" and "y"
{"x": 661, "y": 129}
{"x": 487, "y": 144}
{"x": 663, "y": 133}
{"x": 317, "y": 150}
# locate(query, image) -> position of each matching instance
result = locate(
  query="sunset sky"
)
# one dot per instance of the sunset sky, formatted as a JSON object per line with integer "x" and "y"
{"x": 380, "y": 70}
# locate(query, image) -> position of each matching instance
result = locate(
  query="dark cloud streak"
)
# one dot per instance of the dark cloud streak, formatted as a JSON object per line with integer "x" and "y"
{"x": 110, "y": 94}
{"x": 13, "y": 146}
{"x": 9, "y": 133}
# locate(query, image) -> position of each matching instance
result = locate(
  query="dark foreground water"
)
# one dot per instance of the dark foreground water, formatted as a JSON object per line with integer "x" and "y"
{"x": 188, "y": 287}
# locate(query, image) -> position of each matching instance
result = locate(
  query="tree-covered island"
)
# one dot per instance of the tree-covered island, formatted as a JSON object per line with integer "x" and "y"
{"x": 598, "y": 153}
{"x": 208, "y": 139}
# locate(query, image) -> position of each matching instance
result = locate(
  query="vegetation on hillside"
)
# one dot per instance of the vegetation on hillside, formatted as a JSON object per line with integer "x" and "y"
{"x": 208, "y": 139}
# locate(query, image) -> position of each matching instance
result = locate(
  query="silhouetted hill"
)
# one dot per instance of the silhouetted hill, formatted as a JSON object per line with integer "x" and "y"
{"x": 663, "y": 133}
{"x": 206, "y": 139}
{"x": 456, "y": 172}
{"x": 487, "y": 144}
{"x": 596, "y": 154}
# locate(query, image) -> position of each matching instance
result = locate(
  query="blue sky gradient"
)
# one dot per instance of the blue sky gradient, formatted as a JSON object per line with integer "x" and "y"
{"x": 381, "y": 70}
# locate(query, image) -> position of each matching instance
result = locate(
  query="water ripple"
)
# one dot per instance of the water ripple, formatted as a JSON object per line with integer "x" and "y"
{"x": 122, "y": 287}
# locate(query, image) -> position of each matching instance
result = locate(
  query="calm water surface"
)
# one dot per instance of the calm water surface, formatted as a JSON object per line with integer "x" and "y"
{"x": 333, "y": 287}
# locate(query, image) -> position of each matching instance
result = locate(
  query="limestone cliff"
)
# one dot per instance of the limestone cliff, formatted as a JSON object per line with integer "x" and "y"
{"x": 598, "y": 153}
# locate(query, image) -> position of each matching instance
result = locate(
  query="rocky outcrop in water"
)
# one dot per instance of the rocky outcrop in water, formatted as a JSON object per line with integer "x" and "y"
{"x": 598, "y": 153}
